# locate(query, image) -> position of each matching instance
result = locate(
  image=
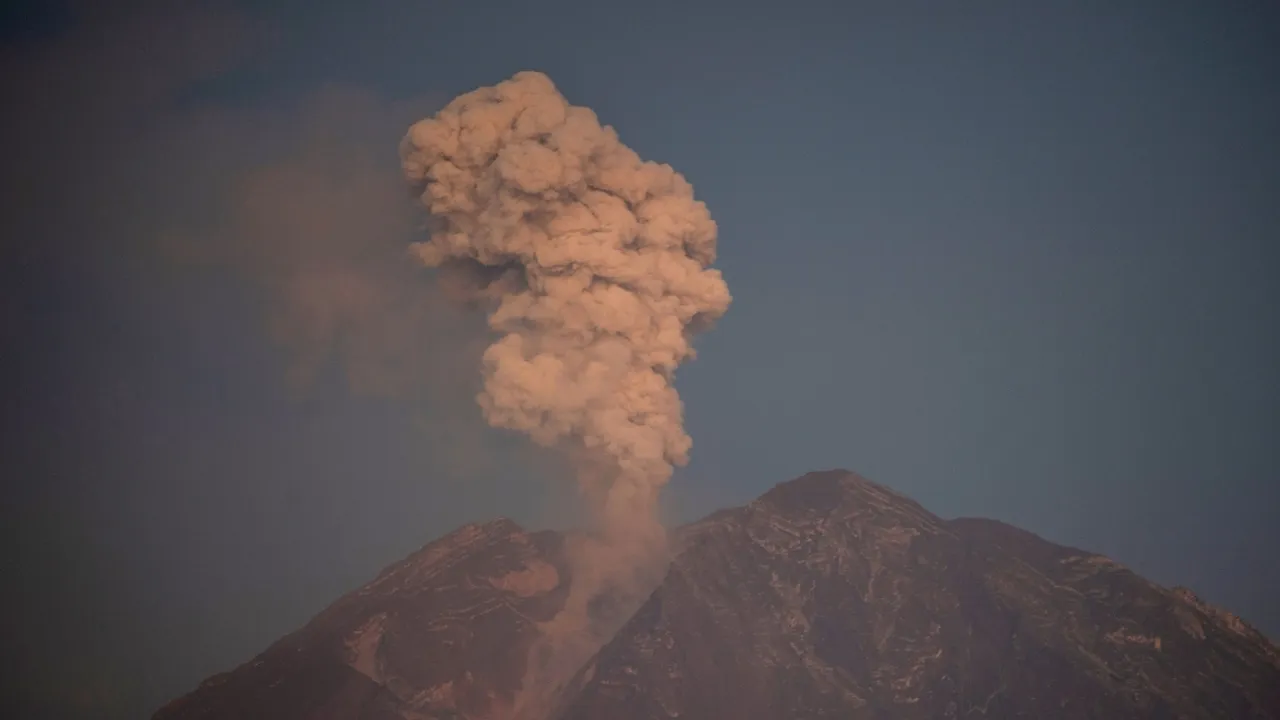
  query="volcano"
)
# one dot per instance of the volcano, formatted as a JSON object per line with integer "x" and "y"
{"x": 830, "y": 596}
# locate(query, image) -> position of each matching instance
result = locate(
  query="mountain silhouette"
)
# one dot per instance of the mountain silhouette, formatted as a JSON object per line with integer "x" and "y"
{"x": 830, "y": 596}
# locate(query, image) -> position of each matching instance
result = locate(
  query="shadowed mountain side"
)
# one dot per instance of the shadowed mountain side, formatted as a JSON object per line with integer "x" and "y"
{"x": 829, "y": 596}
{"x": 444, "y": 633}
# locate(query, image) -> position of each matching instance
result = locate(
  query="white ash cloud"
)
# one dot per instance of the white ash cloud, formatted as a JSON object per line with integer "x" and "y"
{"x": 597, "y": 275}
{"x": 593, "y": 267}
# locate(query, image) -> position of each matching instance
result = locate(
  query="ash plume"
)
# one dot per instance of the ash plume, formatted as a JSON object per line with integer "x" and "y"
{"x": 593, "y": 267}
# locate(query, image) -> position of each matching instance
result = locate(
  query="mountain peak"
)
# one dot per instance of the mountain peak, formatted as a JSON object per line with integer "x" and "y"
{"x": 814, "y": 491}
{"x": 841, "y": 495}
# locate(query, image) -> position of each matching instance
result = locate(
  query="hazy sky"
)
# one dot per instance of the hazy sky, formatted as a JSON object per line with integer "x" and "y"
{"x": 1011, "y": 259}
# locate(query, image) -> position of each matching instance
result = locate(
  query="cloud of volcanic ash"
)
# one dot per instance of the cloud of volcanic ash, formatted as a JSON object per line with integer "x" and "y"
{"x": 301, "y": 217}
{"x": 593, "y": 267}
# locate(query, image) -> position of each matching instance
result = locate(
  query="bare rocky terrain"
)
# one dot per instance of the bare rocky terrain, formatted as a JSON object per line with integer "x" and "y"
{"x": 828, "y": 597}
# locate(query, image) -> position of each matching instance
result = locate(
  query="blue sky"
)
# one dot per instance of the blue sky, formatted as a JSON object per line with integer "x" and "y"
{"x": 1012, "y": 261}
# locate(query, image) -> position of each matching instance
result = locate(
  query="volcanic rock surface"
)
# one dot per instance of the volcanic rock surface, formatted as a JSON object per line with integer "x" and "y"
{"x": 442, "y": 634}
{"x": 828, "y": 597}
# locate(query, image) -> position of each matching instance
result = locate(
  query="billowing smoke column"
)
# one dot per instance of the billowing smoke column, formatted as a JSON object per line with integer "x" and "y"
{"x": 595, "y": 267}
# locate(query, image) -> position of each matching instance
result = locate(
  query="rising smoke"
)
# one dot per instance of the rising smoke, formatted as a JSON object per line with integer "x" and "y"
{"x": 593, "y": 266}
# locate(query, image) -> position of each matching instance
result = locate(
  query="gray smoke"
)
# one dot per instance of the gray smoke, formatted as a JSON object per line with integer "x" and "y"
{"x": 593, "y": 265}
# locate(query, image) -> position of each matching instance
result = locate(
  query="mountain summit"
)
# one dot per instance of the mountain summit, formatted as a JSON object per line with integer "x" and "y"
{"x": 828, "y": 597}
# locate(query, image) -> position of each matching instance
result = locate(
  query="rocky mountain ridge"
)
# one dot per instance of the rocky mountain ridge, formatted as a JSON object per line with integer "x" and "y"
{"x": 828, "y": 596}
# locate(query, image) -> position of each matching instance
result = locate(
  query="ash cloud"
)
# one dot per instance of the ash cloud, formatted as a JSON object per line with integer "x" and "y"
{"x": 321, "y": 233}
{"x": 593, "y": 267}
{"x": 315, "y": 220}
{"x": 601, "y": 264}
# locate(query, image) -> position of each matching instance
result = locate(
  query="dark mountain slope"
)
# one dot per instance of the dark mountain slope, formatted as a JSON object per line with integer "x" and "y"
{"x": 828, "y": 597}
{"x": 831, "y": 596}
{"x": 443, "y": 633}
